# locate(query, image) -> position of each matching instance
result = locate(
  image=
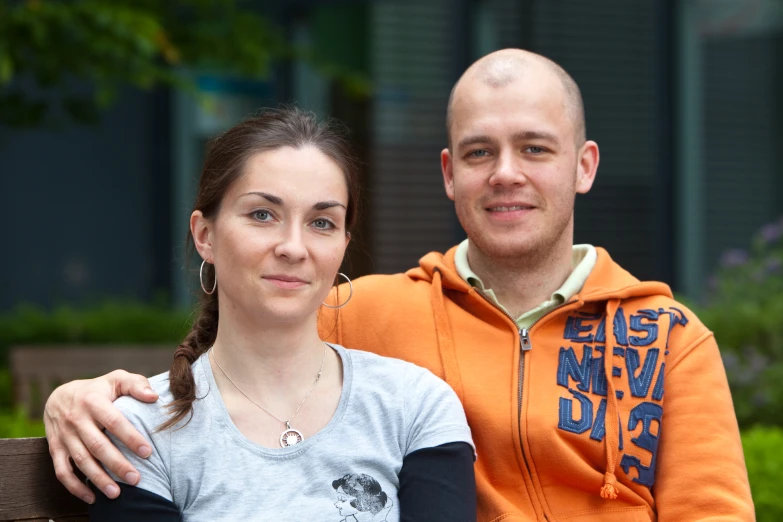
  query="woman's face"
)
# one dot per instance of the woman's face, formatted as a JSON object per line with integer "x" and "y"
{"x": 279, "y": 236}
{"x": 343, "y": 504}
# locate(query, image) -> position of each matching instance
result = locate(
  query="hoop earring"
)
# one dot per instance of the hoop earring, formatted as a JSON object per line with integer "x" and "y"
{"x": 350, "y": 285}
{"x": 201, "y": 279}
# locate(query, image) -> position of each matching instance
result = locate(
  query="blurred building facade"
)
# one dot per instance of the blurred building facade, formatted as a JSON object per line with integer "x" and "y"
{"x": 680, "y": 96}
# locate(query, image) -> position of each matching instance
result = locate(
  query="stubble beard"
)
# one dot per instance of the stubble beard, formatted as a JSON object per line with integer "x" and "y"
{"x": 527, "y": 247}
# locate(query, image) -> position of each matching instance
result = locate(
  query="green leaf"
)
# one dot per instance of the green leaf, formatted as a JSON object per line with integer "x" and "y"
{"x": 105, "y": 95}
{"x": 6, "y": 69}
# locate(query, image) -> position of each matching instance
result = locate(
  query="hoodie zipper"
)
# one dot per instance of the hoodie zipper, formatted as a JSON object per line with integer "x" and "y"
{"x": 525, "y": 345}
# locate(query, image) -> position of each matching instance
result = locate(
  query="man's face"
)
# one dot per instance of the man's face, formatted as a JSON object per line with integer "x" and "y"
{"x": 514, "y": 168}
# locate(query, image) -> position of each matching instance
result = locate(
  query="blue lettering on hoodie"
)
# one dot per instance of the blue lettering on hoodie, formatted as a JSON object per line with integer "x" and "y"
{"x": 582, "y": 373}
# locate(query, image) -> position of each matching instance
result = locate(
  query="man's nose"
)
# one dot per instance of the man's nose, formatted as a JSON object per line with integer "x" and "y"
{"x": 508, "y": 170}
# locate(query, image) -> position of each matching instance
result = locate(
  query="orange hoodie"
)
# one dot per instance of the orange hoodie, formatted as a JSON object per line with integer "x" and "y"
{"x": 556, "y": 439}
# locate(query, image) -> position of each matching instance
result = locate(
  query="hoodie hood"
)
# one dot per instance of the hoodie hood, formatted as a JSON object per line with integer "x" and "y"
{"x": 606, "y": 281}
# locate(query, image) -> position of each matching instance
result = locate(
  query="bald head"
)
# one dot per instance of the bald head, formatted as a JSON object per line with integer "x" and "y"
{"x": 508, "y": 66}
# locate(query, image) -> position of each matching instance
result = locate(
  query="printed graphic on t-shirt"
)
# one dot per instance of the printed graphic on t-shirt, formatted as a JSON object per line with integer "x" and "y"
{"x": 360, "y": 498}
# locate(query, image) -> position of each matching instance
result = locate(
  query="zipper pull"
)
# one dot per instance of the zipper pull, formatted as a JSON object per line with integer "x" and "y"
{"x": 524, "y": 339}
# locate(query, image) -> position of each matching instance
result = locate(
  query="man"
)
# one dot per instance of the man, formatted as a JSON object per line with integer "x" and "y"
{"x": 560, "y": 357}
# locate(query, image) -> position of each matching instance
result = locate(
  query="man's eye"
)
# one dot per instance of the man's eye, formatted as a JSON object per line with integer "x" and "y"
{"x": 534, "y": 150}
{"x": 262, "y": 215}
{"x": 479, "y": 153}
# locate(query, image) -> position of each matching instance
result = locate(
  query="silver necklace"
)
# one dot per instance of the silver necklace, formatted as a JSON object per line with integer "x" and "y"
{"x": 290, "y": 436}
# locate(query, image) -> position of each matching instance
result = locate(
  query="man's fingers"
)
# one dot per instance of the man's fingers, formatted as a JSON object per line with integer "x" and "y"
{"x": 134, "y": 385}
{"x": 98, "y": 445}
{"x": 108, "y": 416}
{"x": 64, "y": 473}
{"x": 102, "y": 449}
{"x": 62, "y": 467}
{"x": 92, "y": 470}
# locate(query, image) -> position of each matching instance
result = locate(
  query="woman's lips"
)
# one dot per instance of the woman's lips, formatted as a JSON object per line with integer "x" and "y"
{"x": 285, "y": 282}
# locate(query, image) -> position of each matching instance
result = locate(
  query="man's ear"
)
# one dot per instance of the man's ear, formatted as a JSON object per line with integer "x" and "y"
{"x": 587, "y": 167}
{"x": 447, "y": 168}
{"x": 201, "y": 230}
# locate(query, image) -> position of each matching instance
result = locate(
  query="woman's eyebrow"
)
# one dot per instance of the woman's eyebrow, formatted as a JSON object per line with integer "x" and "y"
{"x": 275, "y": 200}
{"x": 323, "y": 205}
{"x": 269, "y": 197}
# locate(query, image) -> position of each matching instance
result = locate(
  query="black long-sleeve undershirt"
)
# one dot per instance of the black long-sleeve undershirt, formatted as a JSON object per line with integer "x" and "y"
{"x": 436, "y": 485}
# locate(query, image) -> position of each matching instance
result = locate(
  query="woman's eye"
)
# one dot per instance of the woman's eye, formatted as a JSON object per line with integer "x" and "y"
{"x": 262, "y": 215}
{"x": 323, "y": 224}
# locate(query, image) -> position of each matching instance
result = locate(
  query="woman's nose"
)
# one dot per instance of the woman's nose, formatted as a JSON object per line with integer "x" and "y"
{"x": 291, "y": 245}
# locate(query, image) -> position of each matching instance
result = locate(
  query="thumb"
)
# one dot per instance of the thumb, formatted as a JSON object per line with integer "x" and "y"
{"x": 142, "y": 391}
{"x": 145, "y": 393}
{"x": 137, "y": 386}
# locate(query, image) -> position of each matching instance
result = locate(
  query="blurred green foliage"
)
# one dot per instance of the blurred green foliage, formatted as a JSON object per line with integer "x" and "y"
{"x": 5, "y": 389}
{"x": 14, "y": 424}
{"x": 109, "y": 322}
{"x": 745, "y": 311}
{"x": 79, "y": 53}
{"x": 765, "y": 469}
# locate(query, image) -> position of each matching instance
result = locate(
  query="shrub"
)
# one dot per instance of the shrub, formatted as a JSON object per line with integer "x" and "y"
{"x": 15, "y": 424}
{"x": 765, "y": 470}
{"x": 110, "y": 322}
{"x": 745, "y": 310}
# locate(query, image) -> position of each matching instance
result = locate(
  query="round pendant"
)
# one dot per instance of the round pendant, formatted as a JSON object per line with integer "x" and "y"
{"x": 290, "y": 437}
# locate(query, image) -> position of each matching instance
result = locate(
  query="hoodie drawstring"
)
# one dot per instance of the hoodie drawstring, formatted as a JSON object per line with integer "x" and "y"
{"x": 612, "y": 419}
{"x": 448, "y": 358}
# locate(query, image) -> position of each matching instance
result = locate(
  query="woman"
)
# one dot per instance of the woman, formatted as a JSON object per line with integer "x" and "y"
{"x": 257, "y": 417}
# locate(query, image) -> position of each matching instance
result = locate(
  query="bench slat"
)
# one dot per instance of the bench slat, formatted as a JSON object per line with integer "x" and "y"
{"x": 29, "y": 490}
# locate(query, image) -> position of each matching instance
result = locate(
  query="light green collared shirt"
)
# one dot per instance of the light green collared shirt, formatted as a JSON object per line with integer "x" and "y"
{"x": 582, "y": 261}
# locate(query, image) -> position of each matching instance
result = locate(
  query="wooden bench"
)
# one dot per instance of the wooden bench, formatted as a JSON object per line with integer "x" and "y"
{"x": 37, "y": 370}
{"x": 29, "y": 491}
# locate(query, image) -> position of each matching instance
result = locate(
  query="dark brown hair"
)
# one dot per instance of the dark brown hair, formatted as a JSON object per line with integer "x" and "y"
{"x": 225, "y": 160}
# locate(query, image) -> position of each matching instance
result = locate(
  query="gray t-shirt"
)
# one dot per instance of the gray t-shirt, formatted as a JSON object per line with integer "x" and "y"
{"x": 348, "y": 471}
